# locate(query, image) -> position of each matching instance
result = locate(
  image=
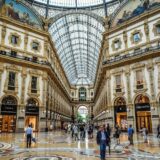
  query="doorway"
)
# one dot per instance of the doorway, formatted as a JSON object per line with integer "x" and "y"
{"x": 143, "y": 113}
{"x": 32, "y": 114}
{"x": 82, "y": 115}
{"x": 120, "y": 112}
{"x": 8, "y": 114}
{"x": 33, "y": 121}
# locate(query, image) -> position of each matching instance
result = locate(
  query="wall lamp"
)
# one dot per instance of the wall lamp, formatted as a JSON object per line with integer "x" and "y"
{"x": 153, "y": 108}
{"x": 108, "y": 111}
{"x": 23, "y": 110}
{"x": 128, "y": 110}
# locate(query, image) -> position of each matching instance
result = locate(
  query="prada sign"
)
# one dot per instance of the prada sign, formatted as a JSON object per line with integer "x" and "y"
{"x": 32, "y": 110}
{"x": 143, "y": 107}
{"x": 8, "y": 109}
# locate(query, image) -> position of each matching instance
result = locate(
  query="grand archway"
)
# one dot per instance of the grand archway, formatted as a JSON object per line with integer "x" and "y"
{"x": 8, "y": 114}
{"x": 82, "y": 114}
{"x": 32, "y": 114}
{"x": 120, "y": 113}
{"x": 143, "y": 113}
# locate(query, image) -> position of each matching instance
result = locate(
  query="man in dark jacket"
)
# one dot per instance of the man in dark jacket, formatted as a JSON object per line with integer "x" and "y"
{"x": 102, "y": 140}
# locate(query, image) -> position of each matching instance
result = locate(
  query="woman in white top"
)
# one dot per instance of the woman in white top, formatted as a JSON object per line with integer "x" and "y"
{"x": 144, "y": 133}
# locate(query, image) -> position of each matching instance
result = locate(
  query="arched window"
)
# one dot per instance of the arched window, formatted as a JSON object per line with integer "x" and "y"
{"x": 82, "y": 94}
{"x": 32, "y": 102}
{"x": 9, "y": 100}
{"x": 120, "y": 102}
{"x": 141, "y": 99}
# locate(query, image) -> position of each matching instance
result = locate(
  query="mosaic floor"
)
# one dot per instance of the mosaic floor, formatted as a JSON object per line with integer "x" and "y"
{"x": 60, "y": 146}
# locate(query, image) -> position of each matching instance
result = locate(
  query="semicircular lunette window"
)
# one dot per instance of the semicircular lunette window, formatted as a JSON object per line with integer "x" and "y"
{"x": 73, "y": 3}
{"x": 78, "y": 38}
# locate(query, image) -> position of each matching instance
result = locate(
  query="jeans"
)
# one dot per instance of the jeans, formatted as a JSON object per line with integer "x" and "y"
{"x": 29, "y": 138}
{"x": 103, "y": 150}
{"x": 131, "y": 139}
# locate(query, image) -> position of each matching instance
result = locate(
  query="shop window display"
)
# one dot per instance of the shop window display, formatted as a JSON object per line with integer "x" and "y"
{"x": 120, "y": 113}
{"x": 143, "y": 113}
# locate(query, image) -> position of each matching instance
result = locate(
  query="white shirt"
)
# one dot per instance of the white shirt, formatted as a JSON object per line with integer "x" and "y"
{"x": 103, "y": 136}
{"x": 29, "y": 130}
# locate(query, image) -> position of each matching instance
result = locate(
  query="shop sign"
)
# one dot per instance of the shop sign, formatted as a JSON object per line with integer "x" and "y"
{"x": 119, "y": 109}
{"x": 8, "y": 109}
{"x": 32, "y": 110}
{"x": 143, "y": 107}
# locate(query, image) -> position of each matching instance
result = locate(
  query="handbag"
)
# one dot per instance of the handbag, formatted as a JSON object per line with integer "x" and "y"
{"x": 34, "y": 139}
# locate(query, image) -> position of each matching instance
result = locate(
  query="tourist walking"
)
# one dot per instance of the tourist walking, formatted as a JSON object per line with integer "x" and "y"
{"x": 158, "y": 131}
{"x": 144, "y": 133}
{"x": 130, "y": 134}
{"x": 90, "y": 132}
{"x": 102, "y": 140}
{"x": 72, "y": 130}
{"x": 82, "y": 132}
{"x": 75, "y": 129}
{"x": 29, "y": 133}
{"x": 117, "y": 134}
{"x": 108, "y": 129}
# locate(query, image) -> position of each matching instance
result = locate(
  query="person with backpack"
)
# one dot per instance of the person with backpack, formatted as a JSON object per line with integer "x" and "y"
{"x": 130, "y": 134}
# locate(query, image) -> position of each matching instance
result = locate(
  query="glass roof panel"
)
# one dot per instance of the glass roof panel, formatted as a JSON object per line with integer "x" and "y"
{"x": 77, "y": 39}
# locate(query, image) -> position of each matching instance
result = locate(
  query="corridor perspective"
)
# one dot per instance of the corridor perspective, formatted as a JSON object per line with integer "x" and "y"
{"x": 79, "y": 79}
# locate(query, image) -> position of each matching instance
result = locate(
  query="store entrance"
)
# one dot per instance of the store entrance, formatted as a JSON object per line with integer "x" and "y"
{"x": 32, "y": 114}
{"x": 143, "y": 113}
{"x": 8, "y": 114}
{"x": 33, "y": 121}
{"x": 120, "y": 111}
{"x": 144, "y": 119}
{"x": 8, "y": 123}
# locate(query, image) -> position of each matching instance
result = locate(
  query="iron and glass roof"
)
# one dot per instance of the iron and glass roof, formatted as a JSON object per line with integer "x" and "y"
{"x": 76, "y": 30}
{"x": 77, "y": 38}
{"x": 73, "y": 3}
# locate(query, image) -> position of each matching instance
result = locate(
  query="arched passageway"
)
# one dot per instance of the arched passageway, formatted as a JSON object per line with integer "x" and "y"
{"x": 143, "y": 113}
{"x": 82, "y": 114}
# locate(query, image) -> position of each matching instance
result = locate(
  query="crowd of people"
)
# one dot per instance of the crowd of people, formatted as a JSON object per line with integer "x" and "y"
{"x": 103, "y": 138}
{"x": 79, "y": 131}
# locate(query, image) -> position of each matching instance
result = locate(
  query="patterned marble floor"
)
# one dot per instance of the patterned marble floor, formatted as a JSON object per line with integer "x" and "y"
{"x": 60, "y": 146}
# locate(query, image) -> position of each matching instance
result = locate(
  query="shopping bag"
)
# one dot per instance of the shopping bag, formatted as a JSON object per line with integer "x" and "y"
{"x": 33, "y": 139}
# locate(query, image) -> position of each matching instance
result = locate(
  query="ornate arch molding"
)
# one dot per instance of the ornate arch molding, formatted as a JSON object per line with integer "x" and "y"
{"x": 144, "y": 94}
{"x": 70, "y": 12}
{"x": 119, "y": 8}
{"x": 36, "y": 99}
{"x": 13, "y": 95}
{"x": 113, "y": 101}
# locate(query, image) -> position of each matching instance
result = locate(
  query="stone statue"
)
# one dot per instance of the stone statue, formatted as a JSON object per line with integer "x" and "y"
{"x": 107, "y": 22}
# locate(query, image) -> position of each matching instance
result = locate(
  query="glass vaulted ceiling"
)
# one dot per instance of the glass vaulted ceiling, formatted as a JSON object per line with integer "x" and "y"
{"x": 73, "y": 3}
{"x": 77, "y": 38}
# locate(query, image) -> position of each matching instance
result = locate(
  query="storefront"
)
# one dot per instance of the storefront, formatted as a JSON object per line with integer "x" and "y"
{"x": 143, "y": 113}
{"x": 32, "y": 114}
{"x": 120, "y": 113}
{"x": 8, "y": 114}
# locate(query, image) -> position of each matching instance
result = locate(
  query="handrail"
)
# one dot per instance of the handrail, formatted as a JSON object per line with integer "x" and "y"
{"x": 13, "y": 54}
{"x": 133, "y": 54}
